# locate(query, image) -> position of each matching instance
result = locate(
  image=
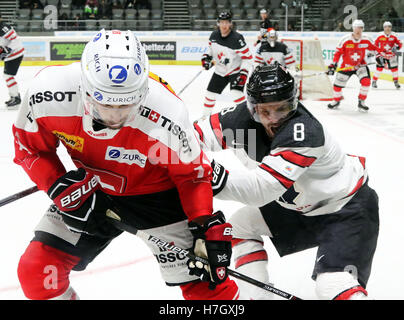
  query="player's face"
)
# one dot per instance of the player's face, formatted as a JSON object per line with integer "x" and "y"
{"x": 224, "y": 27}
{"x": 387, "y": 29}
{"x": 264, "y": 16}
{"x": 358, "y": 31}
{"x": 112, "y": 116}
{"x": 272, "y": 114}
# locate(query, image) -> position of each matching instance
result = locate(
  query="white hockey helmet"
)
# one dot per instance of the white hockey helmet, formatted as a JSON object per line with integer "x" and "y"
{"x": 358, "y": 23}
{"x": 387, "y": 24}
{"x": 114, "y": 79}
{"x": 272, "y": 36}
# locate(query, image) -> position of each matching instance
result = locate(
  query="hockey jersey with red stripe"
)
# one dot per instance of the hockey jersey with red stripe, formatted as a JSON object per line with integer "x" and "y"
{"x": 230, "y": 54}
{"x": 9, "y": 39}
{"x": 302, "y": 168}
{"x": 387, "y": 42}
{"x": 157, "y": 150}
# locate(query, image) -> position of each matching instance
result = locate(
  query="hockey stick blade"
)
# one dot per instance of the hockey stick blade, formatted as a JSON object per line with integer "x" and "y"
{"x": 117, "y": 222}
{"x": 18, "y": 195}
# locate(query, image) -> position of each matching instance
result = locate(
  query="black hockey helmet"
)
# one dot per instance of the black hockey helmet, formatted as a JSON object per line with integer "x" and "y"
{"x": 272, "y": 83}
{"x": 224, "y": 15}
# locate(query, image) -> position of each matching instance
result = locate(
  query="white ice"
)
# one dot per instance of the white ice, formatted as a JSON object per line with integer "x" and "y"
{"x": 127, "y": 270}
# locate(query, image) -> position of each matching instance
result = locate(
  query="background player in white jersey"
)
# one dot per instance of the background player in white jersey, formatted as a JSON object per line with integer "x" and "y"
{"x": 231, "y": 57}
{"x": 304, "y": 192}
{"x": 389, "y": 43}
{"x": 273, "y": 50}
{"x": 130, "y": 137}
{"x": 11, "y": 52}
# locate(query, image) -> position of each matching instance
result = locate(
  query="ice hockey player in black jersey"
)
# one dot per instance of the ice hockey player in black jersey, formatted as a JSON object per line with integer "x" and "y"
{"x": 11, "y": 52}
{"x": 232, "y": 60}
{"x": 302, "y": 191}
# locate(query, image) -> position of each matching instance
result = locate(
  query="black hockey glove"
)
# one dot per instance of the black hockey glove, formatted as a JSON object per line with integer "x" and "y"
{"x": 219, "y": 177}
{"x": 4, "y": 52}
{"x": 331, "y": 69}
{"x": 212, "y": 241}
{"x": 80, "y": 203}
{"x": 241, "y": 80}
{"x": 207, "y": 61}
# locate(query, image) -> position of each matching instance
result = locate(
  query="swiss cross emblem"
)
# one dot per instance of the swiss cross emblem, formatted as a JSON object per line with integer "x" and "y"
{"x": 154, "y": 116}
{"x": 221, "y": 273}
{"x": 387, "y": 47}
{"x": 355, "y": 57}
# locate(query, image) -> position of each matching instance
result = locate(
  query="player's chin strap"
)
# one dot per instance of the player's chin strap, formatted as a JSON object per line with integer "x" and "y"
{"x": 115, "y": 219}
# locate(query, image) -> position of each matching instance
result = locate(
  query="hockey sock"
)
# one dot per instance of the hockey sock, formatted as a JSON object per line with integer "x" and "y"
{"x": 44, "y": 271}
{"x": 377, "y": 73}
{"x": 364, "y": 89}
{"x": 395, "y": 74}
{"x": 337, "y": 93}
{"x": 199, "y": 290}
{"x": 11, "y": 84}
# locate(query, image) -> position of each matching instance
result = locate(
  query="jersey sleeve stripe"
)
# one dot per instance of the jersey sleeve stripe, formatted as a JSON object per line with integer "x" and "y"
{"x": 243, "y": 52}
{"x": 260, "y": 255}
{"x": 296, "y": 158}
{"x": 9, "y": 34}
{"x": 246, "y": 58}
{"x": 285, "y": 182}
{"x": 199, "y": 131}
{"x": 358, "y": 185}
{"x": 15, "y": 53}
{"x": 217, "y": 130}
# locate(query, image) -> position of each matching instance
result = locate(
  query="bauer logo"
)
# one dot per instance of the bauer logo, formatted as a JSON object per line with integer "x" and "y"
{"x": 98, "y": 96}
{"x": 128, "y": 156}
{"x": 118, "y": 74}
{"x": 138, "y": 69}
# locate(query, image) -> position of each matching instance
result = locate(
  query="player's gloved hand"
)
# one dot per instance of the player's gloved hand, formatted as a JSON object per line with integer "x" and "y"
{"x": 81, "y": 204}
{"x": 219, "y": 177}
{"x": 331, "y": 69}
{"x": 207, "y": 61}
{"x": 394, "y": 50}
{"x": 387, "y": 55}
{"x": 4, "y": 52}
{"x": 241, "y": 80}
{"x": 212, "y": 241}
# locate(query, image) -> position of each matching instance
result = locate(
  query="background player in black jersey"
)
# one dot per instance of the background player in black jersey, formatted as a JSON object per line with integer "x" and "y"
{"x": 11, "y": 52}
{"x": 265, "y": 24}
{"x": 303, "y": 190}
{"x": 229, "y": 54}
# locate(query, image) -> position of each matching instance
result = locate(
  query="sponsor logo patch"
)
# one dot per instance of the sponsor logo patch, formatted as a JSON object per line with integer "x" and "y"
{"x": 128, "y": 156}
{"x": 118, "y": 74}
{"x": 74, "y": 142}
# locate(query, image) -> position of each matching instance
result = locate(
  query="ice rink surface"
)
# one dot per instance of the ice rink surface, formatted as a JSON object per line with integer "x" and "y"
{"x": 127, "y": 270}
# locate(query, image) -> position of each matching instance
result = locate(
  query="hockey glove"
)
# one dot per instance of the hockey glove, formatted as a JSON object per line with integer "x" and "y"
{"x": 331, "y": 69}
{"x": 212, "y": 241}
{"x": 4, "y": 52}
{"x": 387, "y": 55}
{"x": 80, "y": 202}
{"x": 207, "y": 61}
{"x": 241, "y": 80}
{"x": 219, "y": 177}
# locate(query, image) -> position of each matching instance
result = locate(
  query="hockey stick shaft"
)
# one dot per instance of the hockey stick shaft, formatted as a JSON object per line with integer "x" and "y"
{"x": 18, "y": 195}
{"x": 192, "y": 80}
{"x": 116, "y": 221}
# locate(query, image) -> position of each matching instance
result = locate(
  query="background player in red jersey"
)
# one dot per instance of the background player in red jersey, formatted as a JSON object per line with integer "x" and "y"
{"x": 353, "y": 50}
{"x": 130, "y": 137}
{"x": 388, "y": 42}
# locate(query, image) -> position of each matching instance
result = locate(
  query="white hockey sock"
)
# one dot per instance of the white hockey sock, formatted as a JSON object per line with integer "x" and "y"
{"x": 339, "y": 286}
{"x": 251, "y": 259}
{"x": 11, "y": 84}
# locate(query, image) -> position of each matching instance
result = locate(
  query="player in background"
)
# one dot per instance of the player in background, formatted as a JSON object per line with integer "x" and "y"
{"x": 353, "y": 50}
{"x": 130, "y": 137}
{"x": 229, "y": 54}
{"x": 12, "y": 53}
{"x": 388, "y": 42}
{"x": 273, "y": 50}
{"x": 265, "y": 24}
{"x": 303, "y": 192}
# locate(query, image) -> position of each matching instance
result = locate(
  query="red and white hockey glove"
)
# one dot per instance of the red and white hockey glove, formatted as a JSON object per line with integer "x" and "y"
{"x": 206, "y": 61}
{"x": 212, "y": 242}
{"x": 331, "y": 69}
{"x": 80, "y": 202}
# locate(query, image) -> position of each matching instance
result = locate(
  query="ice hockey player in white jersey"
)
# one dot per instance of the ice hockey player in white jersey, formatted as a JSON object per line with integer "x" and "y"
{"x": 304, "y": 192}
{"x": 273, "y": 50}
{"x": 11, "y": 52}
{"x": 232, "y": 60}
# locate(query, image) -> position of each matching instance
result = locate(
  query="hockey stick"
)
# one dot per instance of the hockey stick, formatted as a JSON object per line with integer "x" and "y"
{"x": 299, "y": 76}
{"x": 18, "y": 195}
{"x": 117, "y": 222}
{"x": 186, "y": 86}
